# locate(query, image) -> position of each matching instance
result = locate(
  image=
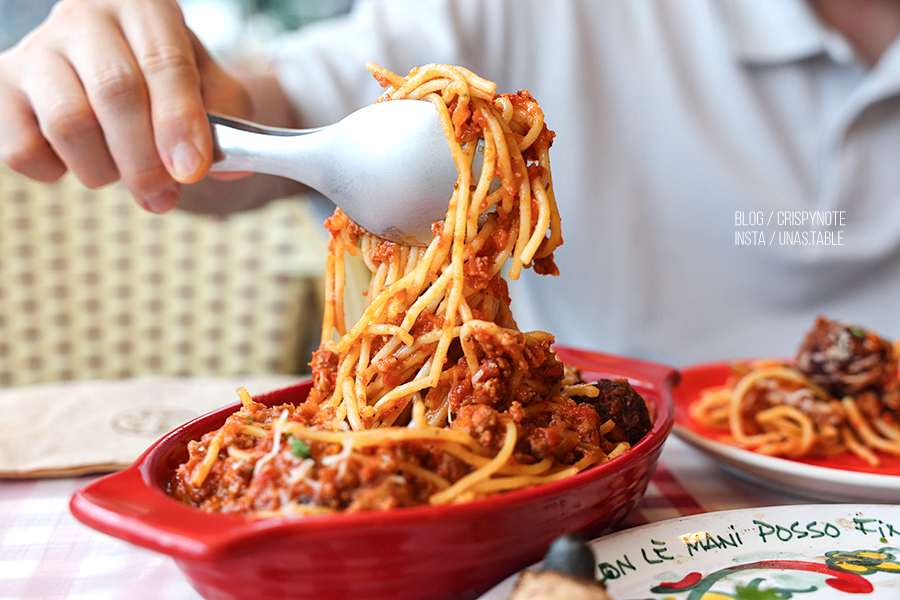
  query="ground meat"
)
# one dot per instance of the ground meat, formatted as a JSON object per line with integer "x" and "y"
{"x": 622, "y": 403}
{"x": 514, "y": 367}
{"x": 324, "y": 368}
{"x": 481, "y": 422}
{"x": 845, "y": 360}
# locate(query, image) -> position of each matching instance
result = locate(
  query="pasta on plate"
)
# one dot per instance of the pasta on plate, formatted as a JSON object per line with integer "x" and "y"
{"x": 840, "y": 394}
{"x": 434, "y": 395}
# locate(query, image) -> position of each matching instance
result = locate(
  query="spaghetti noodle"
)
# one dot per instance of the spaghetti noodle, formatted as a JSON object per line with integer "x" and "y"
{"x": 434, "y": 395}
{"x": 840, "y": 394}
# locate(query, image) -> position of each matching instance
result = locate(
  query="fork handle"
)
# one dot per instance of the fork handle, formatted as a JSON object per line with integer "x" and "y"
{"x": 244, "y": 146}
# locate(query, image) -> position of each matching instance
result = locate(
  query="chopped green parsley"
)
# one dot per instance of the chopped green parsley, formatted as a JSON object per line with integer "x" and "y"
{"x": 299, "y": 447}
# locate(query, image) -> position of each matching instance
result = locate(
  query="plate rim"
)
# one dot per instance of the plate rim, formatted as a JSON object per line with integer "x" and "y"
{"x": 742, "y": 456}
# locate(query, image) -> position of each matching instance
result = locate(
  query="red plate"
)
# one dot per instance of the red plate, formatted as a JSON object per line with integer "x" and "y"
{"x": 815, "y": 477}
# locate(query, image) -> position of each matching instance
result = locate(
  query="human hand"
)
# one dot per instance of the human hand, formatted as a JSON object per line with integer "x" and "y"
{"x": 114, "y": 89}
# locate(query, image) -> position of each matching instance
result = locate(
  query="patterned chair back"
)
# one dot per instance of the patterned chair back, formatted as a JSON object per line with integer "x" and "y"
{"x": 93, "y": 287}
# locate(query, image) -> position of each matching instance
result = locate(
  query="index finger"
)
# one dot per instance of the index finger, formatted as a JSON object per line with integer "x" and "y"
{"x": 162, "y": 46}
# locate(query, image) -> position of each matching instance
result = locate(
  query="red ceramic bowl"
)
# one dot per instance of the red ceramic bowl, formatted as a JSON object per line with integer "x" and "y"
{"x": 434, "y": 553}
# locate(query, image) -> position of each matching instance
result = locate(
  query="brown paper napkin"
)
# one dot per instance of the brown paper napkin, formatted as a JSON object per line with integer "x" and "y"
{"x": 79, "y": 427}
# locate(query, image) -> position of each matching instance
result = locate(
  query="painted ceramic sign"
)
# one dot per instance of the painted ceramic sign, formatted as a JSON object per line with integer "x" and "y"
{"x": 814, "y": 552}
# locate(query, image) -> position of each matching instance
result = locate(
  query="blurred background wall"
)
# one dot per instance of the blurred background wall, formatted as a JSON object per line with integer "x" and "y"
{"x": 223, "y": 25}
{"x": 17, "y": 17}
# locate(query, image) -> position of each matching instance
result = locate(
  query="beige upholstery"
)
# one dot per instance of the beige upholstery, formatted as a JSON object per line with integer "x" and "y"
{"x": 91, "y": 286}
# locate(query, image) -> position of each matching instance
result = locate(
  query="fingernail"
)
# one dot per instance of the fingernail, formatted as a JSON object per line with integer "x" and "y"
{"x": 186, "y": 161}
{"x": 161, "y": 202}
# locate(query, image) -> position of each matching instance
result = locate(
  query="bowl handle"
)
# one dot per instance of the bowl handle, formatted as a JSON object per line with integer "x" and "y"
{"x": 125, "y": 505}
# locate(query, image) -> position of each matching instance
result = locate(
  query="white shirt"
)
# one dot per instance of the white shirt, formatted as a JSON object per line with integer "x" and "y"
{"x": 685, "y": 130}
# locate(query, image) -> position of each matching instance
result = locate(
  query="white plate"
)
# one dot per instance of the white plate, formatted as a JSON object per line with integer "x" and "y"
{"x": 797, "y": 478}
{"x": 805, "y": 552}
